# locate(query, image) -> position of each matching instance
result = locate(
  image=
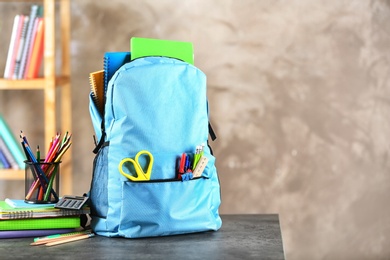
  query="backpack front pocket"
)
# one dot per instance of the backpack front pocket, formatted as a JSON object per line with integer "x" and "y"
{"x": 167, "y": 208}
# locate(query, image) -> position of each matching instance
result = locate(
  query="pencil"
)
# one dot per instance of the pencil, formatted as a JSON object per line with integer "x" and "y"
{"x": 71, "y": 239}
{"x": 57, "y": 237}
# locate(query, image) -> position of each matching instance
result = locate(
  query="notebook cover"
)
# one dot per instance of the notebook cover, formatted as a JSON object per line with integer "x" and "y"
{"x": 21, "y": 204}
{"x": 34, "y": 232}
{"x": 8, "y": 212}
{"x": 96, "y": 80}
{"x": 112, "y": 62}
{"x": 40, "y": 223}
{"x": 142, "y": 47}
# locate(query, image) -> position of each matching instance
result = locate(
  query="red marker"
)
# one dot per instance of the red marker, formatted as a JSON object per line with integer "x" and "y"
{"x": 182, "y": 163}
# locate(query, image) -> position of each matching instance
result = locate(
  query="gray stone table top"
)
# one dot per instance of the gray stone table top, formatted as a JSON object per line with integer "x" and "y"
{"x": 240, "y": 237}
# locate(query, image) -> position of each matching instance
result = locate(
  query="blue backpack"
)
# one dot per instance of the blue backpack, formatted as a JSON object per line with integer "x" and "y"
{"x": 159, "y": 105}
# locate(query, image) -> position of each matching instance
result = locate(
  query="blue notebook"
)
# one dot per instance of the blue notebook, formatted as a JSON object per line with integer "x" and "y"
{"x": 112, "y": 62}
{"x": 21, "y": 204}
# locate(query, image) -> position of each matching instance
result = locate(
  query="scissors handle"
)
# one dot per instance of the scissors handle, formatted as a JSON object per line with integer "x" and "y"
{"x": 141, "y": 175}
{"x": 150, "y": 164}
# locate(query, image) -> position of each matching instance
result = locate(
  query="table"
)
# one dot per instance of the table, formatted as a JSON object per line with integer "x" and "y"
{"x": 241, "y": 237}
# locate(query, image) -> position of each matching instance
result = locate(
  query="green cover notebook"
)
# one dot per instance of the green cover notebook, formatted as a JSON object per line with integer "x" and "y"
{"x": 142, "y": 47}
{"x": 40, "y": 223}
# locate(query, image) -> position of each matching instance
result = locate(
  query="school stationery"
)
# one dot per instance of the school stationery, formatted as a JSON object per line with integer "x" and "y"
{"x": 112, "y": 62}
{"x": 71, "y": 202}
{"x": 70, "y": 239}
{"x": 200, "y": 166}
{"x": 144, "y": 47}
{"x": 58, "y": 237}
{"x": 138, "y": 174}
{"x": 157, "y": 104}
{"x": 8, "y": 212}
{"x": 44, "y": 171}
{"x": 21, "y": 204}
{"x": 33, "y": 232}
{"x": 96, "y": 80}
{"x": 40, "y": 223}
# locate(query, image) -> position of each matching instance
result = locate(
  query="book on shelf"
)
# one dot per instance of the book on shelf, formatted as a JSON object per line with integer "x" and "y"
{"x": 36, "y": 55}
{"x": 19, "y": 50}
{"x": 4, "y": 164}
{"x": 26, "y": 39}
{"x": 37, "y": 211}
{"x": 11, "y": 143}
{"x": 13, "y": 46}
{"x": 7, "y": 157}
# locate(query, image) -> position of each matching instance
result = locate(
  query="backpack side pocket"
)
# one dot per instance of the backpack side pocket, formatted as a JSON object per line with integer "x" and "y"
{"x": 99, "y": 192}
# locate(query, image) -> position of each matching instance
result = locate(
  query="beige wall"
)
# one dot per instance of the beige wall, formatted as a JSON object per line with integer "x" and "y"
{"x": 299, "y": 96}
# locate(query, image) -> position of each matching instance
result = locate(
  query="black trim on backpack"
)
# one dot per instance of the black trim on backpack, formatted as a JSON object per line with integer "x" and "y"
{"x": 101, "y": 141}
{"x": 212, "y": 133}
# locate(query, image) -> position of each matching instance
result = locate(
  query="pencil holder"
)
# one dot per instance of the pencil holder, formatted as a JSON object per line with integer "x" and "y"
{"x": 42, "y": 181}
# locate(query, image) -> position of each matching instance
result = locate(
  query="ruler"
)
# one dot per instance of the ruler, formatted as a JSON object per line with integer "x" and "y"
{"x": 200, "y": 166}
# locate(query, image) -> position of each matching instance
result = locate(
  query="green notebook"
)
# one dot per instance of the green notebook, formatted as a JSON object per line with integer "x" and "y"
{"x": 40, "y": 223}
{"x": 142, "y": 47}
{"x": 37, "y": 211}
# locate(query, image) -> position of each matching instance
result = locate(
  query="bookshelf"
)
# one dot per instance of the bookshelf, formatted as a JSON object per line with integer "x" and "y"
{"x": 49, "y": 83}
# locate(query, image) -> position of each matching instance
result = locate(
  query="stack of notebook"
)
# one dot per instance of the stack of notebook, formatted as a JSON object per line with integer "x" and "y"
{"x": 20, "y": 219}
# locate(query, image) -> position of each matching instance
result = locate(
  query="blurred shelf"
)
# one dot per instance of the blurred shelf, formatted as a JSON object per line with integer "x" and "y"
{"x": 9, "y": 174}
{"x": 50, "y": 81}
{"x": 38, "y": 83}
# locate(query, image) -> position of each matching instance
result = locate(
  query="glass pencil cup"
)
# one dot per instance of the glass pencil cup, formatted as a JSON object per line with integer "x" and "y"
{"x": 42, "y": 182}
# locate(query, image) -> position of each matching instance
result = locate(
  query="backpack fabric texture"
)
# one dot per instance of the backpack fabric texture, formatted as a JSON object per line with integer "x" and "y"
{"x": 157, "y": 104}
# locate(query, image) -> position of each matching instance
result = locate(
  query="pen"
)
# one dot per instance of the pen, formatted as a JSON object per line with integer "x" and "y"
{"x": 187, "y": 166}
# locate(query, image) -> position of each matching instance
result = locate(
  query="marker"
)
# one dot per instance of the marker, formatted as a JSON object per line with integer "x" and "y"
{"x": 182, "y": 163}
{"x": 188, "y": 162}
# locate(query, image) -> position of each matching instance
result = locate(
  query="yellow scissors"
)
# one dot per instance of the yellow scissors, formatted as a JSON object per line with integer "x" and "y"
{"x": 141, "y": 174}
